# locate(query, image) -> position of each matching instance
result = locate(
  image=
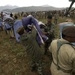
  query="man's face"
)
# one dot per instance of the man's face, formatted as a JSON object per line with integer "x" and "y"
{"x": 49, "y": 20}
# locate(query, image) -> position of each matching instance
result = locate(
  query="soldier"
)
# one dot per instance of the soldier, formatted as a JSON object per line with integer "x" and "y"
{"x": 49, "y": 32}
{"x": 17, "y": 24}
{"x": 33, "y": 43}
{"x": 63, "y": 53}
{"x": 56, "y": 18}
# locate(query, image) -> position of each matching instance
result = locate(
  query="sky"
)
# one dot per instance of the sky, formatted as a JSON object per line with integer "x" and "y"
{"x": 26, "y": 3}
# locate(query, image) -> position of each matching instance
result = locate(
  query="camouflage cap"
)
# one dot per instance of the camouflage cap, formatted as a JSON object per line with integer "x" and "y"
{"x": 49, "y": 17}
{"x": 69, "y": 31}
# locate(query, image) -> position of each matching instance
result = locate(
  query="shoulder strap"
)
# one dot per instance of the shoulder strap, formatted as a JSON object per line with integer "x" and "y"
{"x": 59, "y": 44}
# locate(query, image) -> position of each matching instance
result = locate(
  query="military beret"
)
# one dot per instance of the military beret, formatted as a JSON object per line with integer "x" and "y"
{"x": 49, "y": 16}
{"x": 20, "y": 30}
{"x": 69, "y": 31}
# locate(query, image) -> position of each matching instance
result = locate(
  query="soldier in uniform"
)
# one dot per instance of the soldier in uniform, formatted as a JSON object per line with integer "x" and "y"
{"x": 56, "y": 16}
{"x": 32, "y": 42}
{"x": 49, "y": 32}
{"x": 63, "y": 53}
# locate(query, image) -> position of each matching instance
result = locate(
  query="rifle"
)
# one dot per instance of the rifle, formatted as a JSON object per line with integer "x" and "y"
{"x": 72, "y": 2}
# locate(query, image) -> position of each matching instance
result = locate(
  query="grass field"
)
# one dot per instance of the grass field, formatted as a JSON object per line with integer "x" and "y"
{"x": 13, "y": 59}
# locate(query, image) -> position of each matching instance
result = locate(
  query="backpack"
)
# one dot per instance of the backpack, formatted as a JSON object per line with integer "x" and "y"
{"x": 59, "y": 44}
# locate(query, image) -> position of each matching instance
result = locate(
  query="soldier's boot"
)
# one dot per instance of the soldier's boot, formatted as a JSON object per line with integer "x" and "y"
{"x": 40, "y": 71}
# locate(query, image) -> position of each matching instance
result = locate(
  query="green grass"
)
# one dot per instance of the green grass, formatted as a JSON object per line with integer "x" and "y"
{"x": 13, "y": 58}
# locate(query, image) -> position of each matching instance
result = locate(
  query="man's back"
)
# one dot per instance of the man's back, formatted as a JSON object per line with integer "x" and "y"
{"x": 66, "y": 56}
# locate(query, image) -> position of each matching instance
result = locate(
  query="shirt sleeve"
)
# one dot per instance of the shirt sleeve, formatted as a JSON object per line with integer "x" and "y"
{"x": 74, "y": 67}
{"x": 45, "y": 29}
{"x": 73, "y": 61}
{"x": 52, "y": 28}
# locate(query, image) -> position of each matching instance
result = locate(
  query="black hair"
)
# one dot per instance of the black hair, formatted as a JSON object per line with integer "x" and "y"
{"x": 63, "y": 35}
{"x": 16, "y": 17}
{"x": 11, "y": 15}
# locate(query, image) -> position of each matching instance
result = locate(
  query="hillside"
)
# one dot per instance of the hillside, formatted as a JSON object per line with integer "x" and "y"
{"x": 34, "y": 8}
{"x": 30, "y": 9}
{"x": 6, "y": 7}
{"x": 13, "y": 58}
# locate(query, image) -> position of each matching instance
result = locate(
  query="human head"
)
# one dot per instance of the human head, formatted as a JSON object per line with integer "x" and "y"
{"x": 41, "y": 24}
{"x": 49, "y": 18}
{"x": 68, "y": 33}
{"x": 20, "y": 30}
{"x": 15, "y": 17}
{"x": 11, "y": 15}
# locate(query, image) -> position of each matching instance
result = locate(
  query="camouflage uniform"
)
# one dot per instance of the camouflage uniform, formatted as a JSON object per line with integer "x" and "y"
{"x": 56, "y": 18}
{"x": 33, "y": 50}
{"x": 49, "y": 29}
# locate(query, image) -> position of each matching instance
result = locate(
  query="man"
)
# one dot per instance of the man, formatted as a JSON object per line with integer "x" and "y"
{"x": 1, "y": 26}
{"x": 8, "y": 25}
{"x": 49, "y": 32}
{"x": 17, "y": 24}
{"x": 63, "y": 53}
{"x": 32, "y": 42}
{"x": 68, "y": 22}
{"x": 56, "y": 16}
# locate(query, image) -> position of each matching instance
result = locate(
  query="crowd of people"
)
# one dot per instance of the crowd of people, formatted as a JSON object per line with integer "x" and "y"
{"x": 37, "y": 39}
